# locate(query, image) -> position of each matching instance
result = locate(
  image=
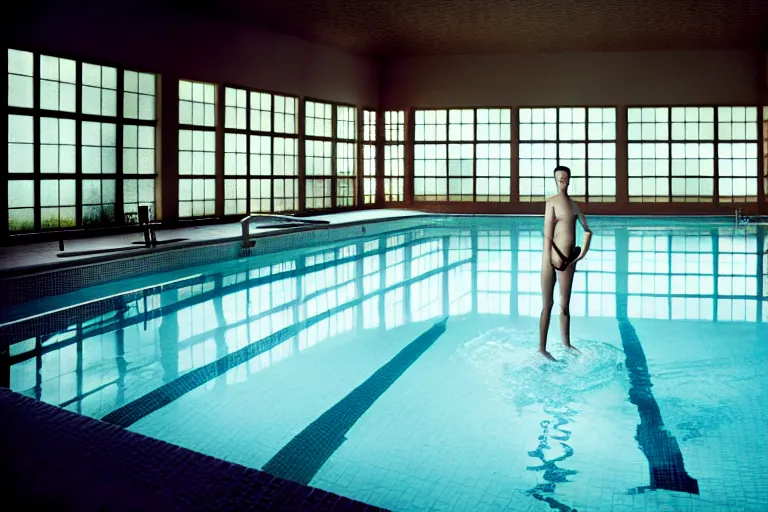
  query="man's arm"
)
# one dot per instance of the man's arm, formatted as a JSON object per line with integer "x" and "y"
{"x": 587, "y": 232}
{"x": 549, "y": 233}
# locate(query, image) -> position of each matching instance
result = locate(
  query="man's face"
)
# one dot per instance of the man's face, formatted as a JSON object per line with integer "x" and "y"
{"x": 562, "y": 178}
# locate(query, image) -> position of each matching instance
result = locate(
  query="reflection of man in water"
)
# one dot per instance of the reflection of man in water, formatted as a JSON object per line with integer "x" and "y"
{"x": 560, "y": 256}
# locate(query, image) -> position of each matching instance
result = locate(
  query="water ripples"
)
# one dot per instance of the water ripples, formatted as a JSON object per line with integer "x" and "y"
{"x": 509, "y": 362}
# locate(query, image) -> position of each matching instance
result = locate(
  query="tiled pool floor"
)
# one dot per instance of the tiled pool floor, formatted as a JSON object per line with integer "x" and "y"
{"x": 400, "y": 369}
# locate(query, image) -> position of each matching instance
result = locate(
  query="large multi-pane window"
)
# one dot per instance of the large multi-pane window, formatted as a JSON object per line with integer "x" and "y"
{"x": 394, "y": 156}
{"x": 492, "y": 154}
{"x": 330, "y": 154}
{"x": 139, "y": 140}
{"x": 462, "y": 155}
{"x": 369, "y": 156}
{"x": 81, "y": 143}
{"x": 82, "y": 150}
{"x": 765, "y": 154}
{"x": 737, "y": 154}
{"x": 442, "y": 170}
{"x": 584, "y": 139}
{"x": 318, "y": 151}
{"x": 674, "y": 153}
{"x": 197, "y": 149}
{"x": 648, "y": 154}
{"x": 346, "y": 155}
{"x": 260, "y": 152}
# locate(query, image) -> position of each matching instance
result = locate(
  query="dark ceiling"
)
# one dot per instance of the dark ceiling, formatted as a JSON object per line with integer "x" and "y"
{"x": 429, "y": 27}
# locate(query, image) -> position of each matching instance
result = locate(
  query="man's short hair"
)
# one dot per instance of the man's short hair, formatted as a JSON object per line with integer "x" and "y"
{"x": 564, "y": 169}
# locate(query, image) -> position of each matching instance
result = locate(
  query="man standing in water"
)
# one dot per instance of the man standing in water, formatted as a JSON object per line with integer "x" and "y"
{"x": 560, "y": 257}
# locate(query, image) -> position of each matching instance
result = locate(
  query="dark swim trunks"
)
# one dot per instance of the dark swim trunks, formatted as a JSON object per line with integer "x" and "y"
{"x": 574, "y": 253}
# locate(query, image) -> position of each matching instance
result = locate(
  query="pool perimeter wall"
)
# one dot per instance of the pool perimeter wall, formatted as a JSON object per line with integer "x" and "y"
{"x": 18, "y": 286}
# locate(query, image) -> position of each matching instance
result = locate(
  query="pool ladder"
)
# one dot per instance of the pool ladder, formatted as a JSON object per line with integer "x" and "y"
{"x": 280, "y": 221}
{"x": 744, "y": 220}
{"x": 739, "y": 220}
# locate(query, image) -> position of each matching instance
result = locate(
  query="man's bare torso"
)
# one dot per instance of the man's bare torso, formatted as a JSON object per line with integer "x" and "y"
{"x": 565, "y": 212}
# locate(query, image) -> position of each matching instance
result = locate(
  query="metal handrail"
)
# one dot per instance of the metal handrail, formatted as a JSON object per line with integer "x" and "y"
{"x": 245, "y": 224}
{"x": 744, "y": 220}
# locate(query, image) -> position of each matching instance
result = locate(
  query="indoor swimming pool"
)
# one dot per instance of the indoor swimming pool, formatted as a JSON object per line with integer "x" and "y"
{"x": 401, "y": 369}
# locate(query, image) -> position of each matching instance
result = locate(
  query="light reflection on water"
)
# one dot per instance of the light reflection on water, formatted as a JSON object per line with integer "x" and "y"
{"x": 664, "y": 281}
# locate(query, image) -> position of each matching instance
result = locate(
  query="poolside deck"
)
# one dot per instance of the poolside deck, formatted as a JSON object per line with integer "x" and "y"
{"x": 58, "y": 460}
{"x": 42, "y": 256}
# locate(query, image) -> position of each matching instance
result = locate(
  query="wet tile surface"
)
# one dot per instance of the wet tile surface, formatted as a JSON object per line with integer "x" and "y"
{"x": 294, "y": 362}
{"x": 58, "y": 460}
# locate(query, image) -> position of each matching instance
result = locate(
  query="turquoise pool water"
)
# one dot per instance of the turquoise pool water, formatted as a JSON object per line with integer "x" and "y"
{"x": 401, "y": 370}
